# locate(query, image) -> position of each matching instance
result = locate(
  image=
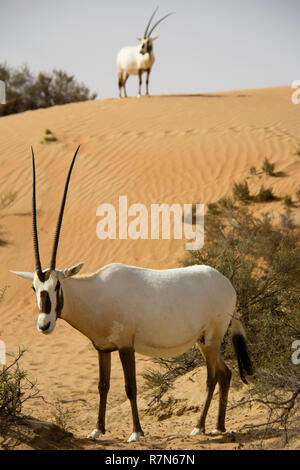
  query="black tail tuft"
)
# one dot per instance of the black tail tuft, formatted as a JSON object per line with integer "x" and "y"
{"x": 243, "y": 358}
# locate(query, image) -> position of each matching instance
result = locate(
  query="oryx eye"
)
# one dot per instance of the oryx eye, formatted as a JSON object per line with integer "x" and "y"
{"x": 33, "y": 288}
{"x": 57, "y": 285}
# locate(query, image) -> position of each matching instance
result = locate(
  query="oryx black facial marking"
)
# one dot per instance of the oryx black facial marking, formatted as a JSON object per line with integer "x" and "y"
{"x": 202, "y": 339}
{"x": 146, "y": 47}
{"x": 45, "y": 302}
{"x": 43, "y": 275}
{"x": 59, "y": 299}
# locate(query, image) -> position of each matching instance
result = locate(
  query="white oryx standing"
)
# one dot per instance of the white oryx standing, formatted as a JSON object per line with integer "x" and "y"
{"x": 134, "y": 60}
{"x": 158, "y": 313}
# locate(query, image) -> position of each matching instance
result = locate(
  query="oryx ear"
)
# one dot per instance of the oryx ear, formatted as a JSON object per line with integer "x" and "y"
{"x": 139, "y": 39}
{"x": 25, "y": 275}
{"x": 68, "y": 272}
{"x": 155, "y": 37}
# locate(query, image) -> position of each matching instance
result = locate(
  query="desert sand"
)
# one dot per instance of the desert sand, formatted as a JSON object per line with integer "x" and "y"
{"x": 172, "y": 149}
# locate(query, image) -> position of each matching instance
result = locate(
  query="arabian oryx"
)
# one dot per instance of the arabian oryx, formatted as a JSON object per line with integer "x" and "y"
{"x": 157, "y": 313}
{"x": 134, "y": 60}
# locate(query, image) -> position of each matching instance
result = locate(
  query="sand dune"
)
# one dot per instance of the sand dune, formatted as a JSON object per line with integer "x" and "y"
{"x": 171, "y": 149}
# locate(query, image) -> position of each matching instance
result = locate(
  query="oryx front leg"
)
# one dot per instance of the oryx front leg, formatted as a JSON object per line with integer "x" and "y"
{"x": 128, "y": 364}
{"x": 104, "y": 382}
{"x": 147, "y": 81}
{"x": 140, "y": 83}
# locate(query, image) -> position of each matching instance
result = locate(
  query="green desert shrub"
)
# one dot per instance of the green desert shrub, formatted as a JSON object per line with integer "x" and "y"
{"x": 6, "y": 200}
{"x": 241, "y": 191}
{"x": 226, "y": 203}
{"x": 265, "y": 194}
{"x": 268, "y": 167}
{"x": 287, "y": 201}
{"x": 49, "y": 137}
{"x": 157, "y": 383}
{"x": 15, "y": 387}
{"x": 25, "y": 90}
{"x": 212, "y": 207}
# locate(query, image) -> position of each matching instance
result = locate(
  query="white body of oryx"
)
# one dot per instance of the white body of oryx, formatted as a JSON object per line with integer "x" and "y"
{"x": 130, "y": 60}
{"x": 159, "y": 313}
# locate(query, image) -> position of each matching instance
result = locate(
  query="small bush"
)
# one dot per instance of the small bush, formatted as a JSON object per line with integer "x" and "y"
{"x": 287, "y": 201}
{"x": 241, "y": 192}
{"x": 265, "y": 194}
{"x": 212, "y": 208}
{"x": 6, "y": 200}
{"x": 226, "y": 203}
{"x": 15, "y": 387}
{"x": 61, "y": 416}
{"x": 158, "y": 383}
{"x": 268, "y": 167}
{"x": 253, "y": 170}
{"x": 286, "y": 220}
{"x": 49, "y": 137}
{"x": 298, "y": 194}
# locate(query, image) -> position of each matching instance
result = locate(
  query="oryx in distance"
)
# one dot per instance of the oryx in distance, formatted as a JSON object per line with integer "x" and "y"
{"x": 135, "y": 60}
{"x": 157, "y": 313}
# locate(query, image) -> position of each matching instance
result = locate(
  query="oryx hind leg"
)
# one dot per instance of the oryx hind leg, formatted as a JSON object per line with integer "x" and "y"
{"x": 120, "y": 82}
{"x": 210, "y": 352}
{"x": 217, "y": 372}
{"x": 223, "y": 377}
{"x": 124, "y": 84}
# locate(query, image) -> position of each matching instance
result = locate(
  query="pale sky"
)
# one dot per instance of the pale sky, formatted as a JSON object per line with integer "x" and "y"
{"x": 206, "y": 46}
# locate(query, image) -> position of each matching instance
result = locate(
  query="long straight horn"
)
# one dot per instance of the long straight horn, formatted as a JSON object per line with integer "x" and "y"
{"x": 38, "y": 266}
{"x": 61, "y": 213}
{"x": 149, "y": 22}
{"x": 159, "y": 21}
